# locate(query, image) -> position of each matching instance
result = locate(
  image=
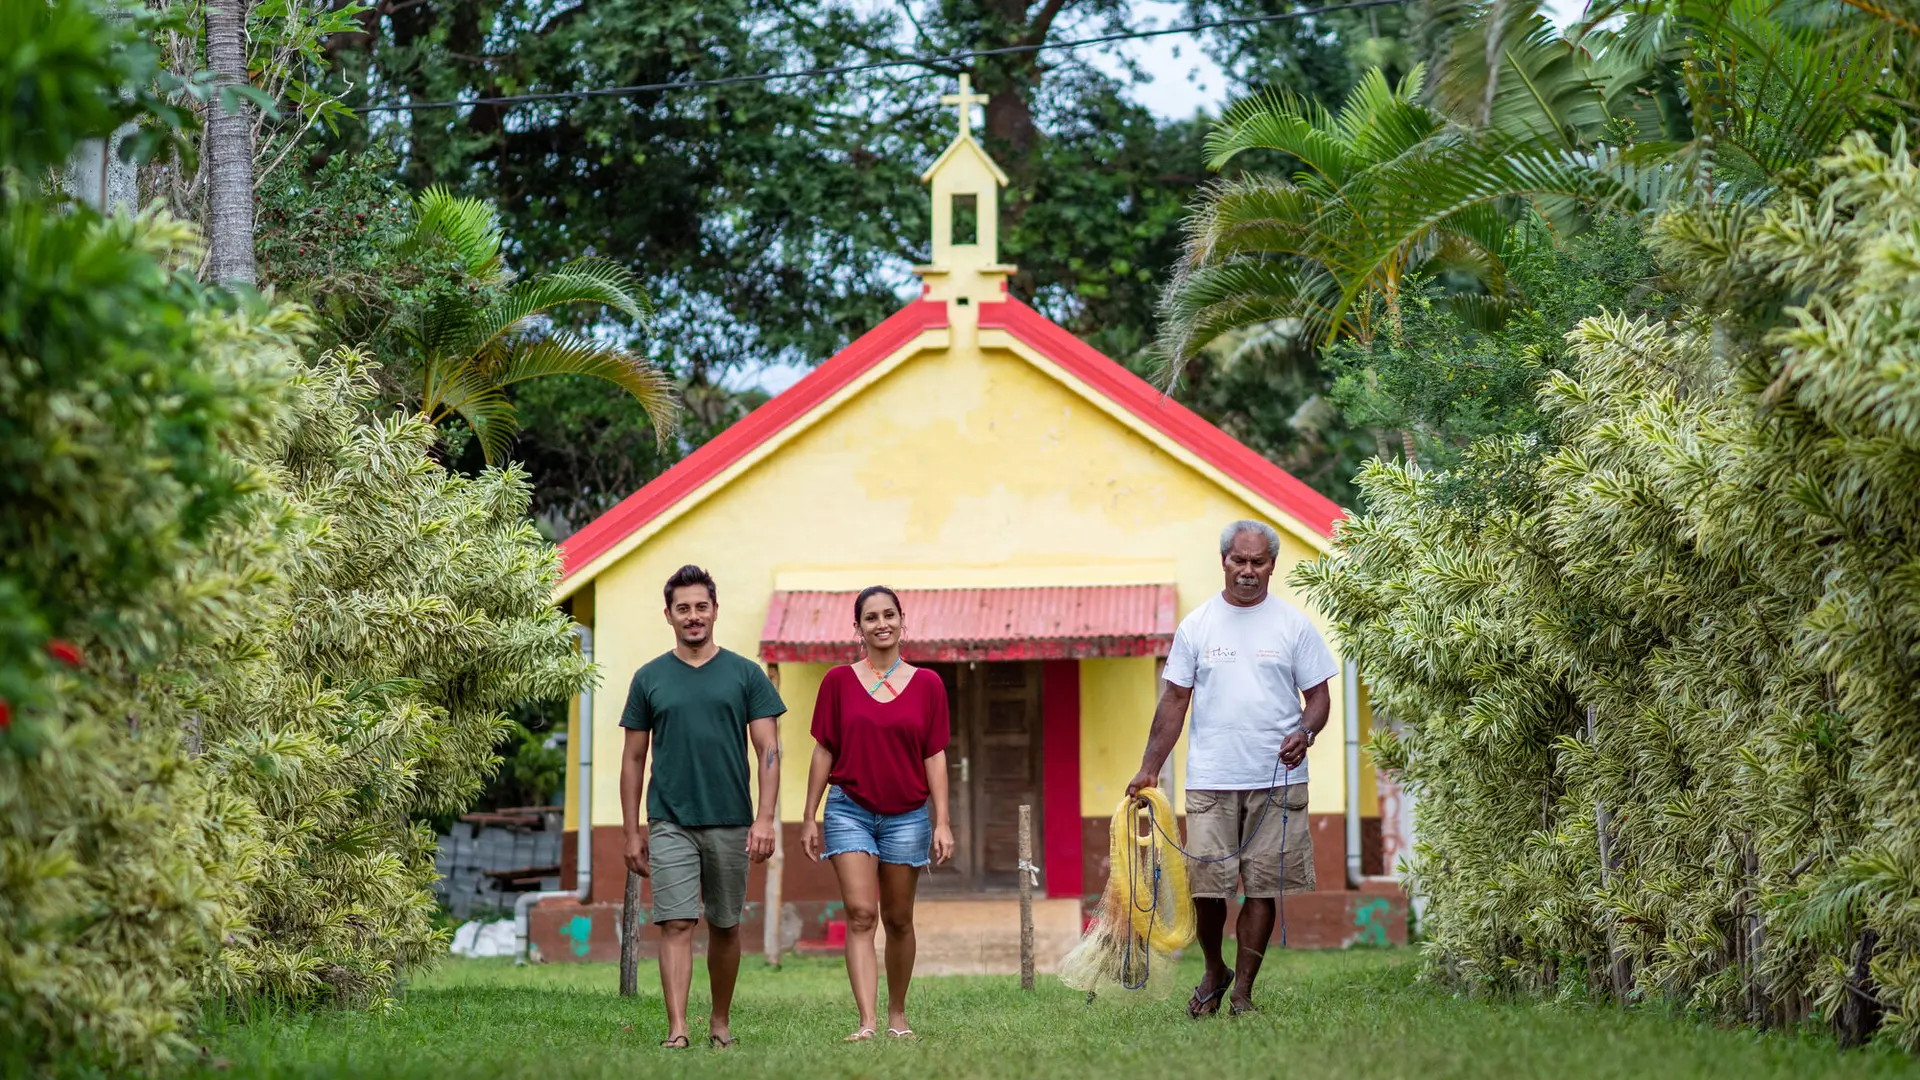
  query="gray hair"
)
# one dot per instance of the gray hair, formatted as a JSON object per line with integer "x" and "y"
{"x": 1265, "y": 531}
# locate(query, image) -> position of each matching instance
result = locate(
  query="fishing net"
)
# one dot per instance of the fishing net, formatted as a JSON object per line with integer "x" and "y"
{"x": 1146, "y": 910}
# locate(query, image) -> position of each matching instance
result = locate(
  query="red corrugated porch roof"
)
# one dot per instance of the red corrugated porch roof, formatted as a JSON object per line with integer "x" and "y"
{"x": 1051, "y": 623}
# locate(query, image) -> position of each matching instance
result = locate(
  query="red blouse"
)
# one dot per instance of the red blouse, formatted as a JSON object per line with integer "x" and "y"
{"x": 880, "y": 748}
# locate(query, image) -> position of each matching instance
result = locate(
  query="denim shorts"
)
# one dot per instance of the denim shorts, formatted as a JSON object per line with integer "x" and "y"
{"x": 903, "y": 839}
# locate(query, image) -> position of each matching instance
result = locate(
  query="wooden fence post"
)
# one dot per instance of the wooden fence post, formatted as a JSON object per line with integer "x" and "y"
{"x": 776, "y": 866}
{"x": 776, "y": 869}
{"x": 630, "y": 937}
{"x": 1026, "y": 896}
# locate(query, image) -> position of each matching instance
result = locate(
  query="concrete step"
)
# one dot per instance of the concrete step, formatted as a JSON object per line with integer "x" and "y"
{"x": 982, "y": 936}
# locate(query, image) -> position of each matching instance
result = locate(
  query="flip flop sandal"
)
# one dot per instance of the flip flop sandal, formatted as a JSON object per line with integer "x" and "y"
{"x": 902, "y": 1033}
{"x": 678, "y": 1042}
{"x": 715, "y": 1042}
{"x": 1198, "y": 1006}
{"x": 863, "y": 1035}
{"x": 1242, "y": 1010}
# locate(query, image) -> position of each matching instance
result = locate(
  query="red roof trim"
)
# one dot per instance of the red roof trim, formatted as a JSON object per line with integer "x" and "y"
{"x": 693, "y": 471}
{"x": 1076, "y": 357}
{"x": 1164, "y": 414}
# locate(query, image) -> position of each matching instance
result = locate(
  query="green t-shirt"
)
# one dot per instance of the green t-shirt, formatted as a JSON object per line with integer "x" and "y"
{"x": 699, "y": 717}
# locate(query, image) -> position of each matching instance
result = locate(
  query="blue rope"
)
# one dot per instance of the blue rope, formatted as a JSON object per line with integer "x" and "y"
{"x": 1272, "y": 786}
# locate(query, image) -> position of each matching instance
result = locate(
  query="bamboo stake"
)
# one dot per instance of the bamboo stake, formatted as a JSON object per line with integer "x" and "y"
{"x": 630, "y": 937}
{"x": 1026, "y": 897}
{"x": 1754, "y": 940}
{"x": 1620, "y": 971}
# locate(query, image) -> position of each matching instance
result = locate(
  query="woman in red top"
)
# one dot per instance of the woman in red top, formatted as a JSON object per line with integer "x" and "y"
{"x": 880, "y": 738}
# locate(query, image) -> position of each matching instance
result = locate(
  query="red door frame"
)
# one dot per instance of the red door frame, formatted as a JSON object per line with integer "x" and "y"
{"x": 1060, "y": 776}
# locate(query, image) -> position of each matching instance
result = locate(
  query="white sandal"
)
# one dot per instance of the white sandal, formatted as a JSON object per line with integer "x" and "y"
{"x": 863, "y": 1035}
{"x": 901, "y": 1033}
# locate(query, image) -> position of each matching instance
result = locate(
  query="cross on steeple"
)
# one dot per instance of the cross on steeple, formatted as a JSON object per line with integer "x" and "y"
{"x": 965, "y": 270}
{"x": 966, "y": 99}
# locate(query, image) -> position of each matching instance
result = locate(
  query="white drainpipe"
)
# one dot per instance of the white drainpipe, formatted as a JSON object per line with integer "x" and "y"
{"x": 1350, "y": 708}
{"x": 583, "y": 816}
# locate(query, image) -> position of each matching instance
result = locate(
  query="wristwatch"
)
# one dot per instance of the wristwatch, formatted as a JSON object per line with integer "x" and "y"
{"x": 1310, "y": 735}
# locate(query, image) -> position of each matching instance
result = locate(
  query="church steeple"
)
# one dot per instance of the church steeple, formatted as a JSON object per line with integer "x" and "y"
{"x": 965, "y": 270}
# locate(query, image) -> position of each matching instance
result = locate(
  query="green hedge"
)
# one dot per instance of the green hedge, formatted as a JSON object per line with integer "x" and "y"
{"x": 1657, "y": 679}
{"x": 250, "y": 629}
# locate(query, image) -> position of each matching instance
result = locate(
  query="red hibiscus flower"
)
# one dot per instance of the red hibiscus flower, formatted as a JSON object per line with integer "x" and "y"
{"x": 64, "y": 651}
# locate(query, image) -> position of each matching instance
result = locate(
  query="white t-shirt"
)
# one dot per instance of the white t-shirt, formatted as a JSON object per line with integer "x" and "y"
{"x": 1247, "y": 666}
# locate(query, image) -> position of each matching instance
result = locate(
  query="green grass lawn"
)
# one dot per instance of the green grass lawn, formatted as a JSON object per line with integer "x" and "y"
{"x": 1324, "y": 1015}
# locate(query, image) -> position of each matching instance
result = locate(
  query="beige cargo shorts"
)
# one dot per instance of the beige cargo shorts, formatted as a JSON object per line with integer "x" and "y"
{"x": 1218, "y": 822}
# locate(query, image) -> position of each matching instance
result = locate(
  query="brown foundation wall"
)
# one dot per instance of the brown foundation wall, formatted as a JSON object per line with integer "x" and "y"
{"x": 1329, "y": 833}
{"x": 1375, "y": 915}
{"x": 566, "y": 930}
{"x": 805, "y": 879}
{"x": 1332, "y": 917}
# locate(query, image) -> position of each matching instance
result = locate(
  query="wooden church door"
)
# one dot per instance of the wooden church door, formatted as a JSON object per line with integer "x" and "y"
{"x": 993, "y": 766}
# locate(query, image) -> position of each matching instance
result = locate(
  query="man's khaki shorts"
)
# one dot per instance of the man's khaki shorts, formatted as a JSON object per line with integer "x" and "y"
{"x": 696, "y": 868}
{"x": 1218, "y": 822}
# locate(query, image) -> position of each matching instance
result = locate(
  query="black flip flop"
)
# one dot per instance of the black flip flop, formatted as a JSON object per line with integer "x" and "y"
{"x": 715, "y": 1042}
{"x": 678, "y": 1042}
{"x": 1197, "y": 1006}
{"x": 1234, "y": 1009}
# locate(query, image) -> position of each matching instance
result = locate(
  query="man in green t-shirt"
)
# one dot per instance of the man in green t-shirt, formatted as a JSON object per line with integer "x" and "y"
{"x": 690, "y": 707}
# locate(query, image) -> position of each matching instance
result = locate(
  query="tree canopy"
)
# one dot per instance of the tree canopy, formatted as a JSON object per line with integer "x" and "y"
{"x": 774, "y": 222}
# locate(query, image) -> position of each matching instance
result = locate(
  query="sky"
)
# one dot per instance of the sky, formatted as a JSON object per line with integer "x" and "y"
{"x": 1182, "y": 80}
{"x": 1185, "y": 79}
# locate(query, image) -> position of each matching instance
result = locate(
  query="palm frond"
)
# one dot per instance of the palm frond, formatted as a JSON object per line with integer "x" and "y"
{"x": 1255, "y": 213}
{"x": 469, "y": 229}
{"x": 1381, "y": 122}
{"x": 565, "y": 354}
{"x": 587, "y": 281}
{"x": 440, "y": 335}
{"x": 1483, "y": 311}
{"x": 1788, "y": 93}
{"x": 482, "y": 403}
{"x": 1203, "y": 303}
{"x": 1517, "y": 76}
{"x": 1279, "y": 121}
{"x": 1440, "y": 188}
{"x": 1767, "y": 85}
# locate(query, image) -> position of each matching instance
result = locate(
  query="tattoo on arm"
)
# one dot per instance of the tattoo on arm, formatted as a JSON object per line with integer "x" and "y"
{"x": 773, "y": 757}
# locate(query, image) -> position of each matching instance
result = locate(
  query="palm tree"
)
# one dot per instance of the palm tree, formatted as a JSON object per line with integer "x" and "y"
{"x": 1713, "y": 99}
{"x": 229, "y": 148}
{"x": 1388, "y": 187}
{"x": 469, "y": 354}
{"x": 1751, "y": 89}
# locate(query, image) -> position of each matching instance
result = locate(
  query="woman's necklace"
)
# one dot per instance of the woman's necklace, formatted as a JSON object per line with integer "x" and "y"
{"x": 875, "y": 688}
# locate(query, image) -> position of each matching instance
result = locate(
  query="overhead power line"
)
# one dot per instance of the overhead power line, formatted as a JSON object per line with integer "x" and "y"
{"x": 848, "y": 69}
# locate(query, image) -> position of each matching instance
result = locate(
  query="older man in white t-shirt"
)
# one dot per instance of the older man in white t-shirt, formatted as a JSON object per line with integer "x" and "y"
{"x": 1255, "y": 671}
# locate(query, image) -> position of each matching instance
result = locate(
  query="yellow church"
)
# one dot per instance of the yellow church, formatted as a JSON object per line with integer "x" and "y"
{"x": 1046, "y": 516}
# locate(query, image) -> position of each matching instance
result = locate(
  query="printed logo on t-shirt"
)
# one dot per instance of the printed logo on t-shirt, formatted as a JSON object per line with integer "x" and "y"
{"x": 1271, "y": 654}
{"x": 1222, "y": 654}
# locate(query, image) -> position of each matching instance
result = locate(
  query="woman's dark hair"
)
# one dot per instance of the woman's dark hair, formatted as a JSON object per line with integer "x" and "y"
{"x": 690, "y": 575}
{"x": 868, "y": 593}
